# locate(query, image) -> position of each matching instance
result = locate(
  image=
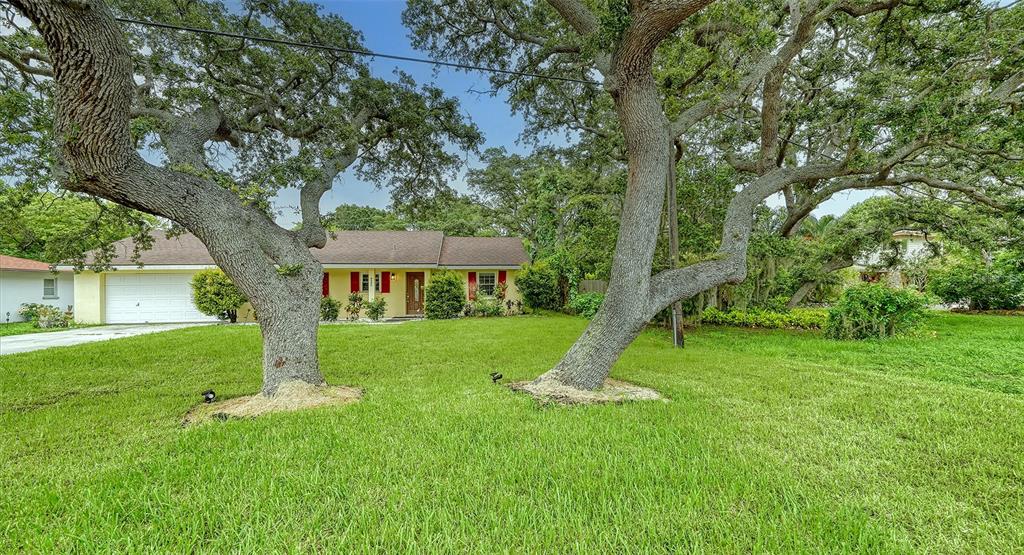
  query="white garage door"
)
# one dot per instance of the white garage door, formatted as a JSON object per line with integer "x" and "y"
{"x": 150, "y": 297}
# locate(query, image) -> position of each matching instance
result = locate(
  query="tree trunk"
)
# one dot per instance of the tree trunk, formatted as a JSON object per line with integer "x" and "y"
{"x": 93, "y": 97}
{"x": 289, "y": 326}
{"x": 678, "y": 333}
{"x": 801, "y": 294}
{"x": 626, "y": 307}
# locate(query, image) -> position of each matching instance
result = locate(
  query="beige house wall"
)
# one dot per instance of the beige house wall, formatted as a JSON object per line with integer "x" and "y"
{"x": 89, "y": 290}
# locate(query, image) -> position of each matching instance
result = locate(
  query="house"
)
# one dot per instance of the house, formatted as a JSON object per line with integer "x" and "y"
{"x": 395, "y": 265}
{"x": 913, "y": 246}
{"x": 28, "y": 281}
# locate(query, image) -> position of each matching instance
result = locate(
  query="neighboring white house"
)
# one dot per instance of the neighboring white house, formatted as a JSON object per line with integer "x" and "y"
{"x": 914, "y": 245}
{"x": 28, "y": 281}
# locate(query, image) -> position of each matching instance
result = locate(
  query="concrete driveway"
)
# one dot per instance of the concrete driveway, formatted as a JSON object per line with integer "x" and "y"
{"x": 36, "y": 341}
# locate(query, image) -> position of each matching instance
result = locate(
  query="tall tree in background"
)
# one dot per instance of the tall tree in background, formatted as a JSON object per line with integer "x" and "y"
{"x": 805, "y": 98}
{"x": 234, "y": 120}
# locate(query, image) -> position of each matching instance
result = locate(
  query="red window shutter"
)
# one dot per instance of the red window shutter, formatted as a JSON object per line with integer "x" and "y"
{"x": 385, "y": 282}
{"x": 354, "y": 283}
{"x": 502, "y": 276}
{"x": 326, "y": 284}
{"x": 472, "y": 286}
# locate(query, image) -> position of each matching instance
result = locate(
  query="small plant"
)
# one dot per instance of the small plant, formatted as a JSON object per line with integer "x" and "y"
{"x": 30, "y": 311}
{"x": 355, "y": 304}
{"x": 484, "y": 308}
{"x": 51, "y": 317}
{"x": 444, "y": 296}
{"x": 375, "y": 309}
{"x": 500, "y": 291}
{"x": 872, "y": 310}
{"x": 329, "y": 309}
{"x": 216, "y": 295}
{"x": 586, "y": 304}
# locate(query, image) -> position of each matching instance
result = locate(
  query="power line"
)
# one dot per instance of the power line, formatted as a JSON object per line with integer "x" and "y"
{"x": 370, "y": 53}
{"x": 355, "y": 51}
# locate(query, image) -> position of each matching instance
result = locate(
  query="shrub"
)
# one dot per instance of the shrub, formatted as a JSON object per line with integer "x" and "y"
{"x": 375, "y": 309}
{"x": 45, "y": 316}
{"x": 586, "y": 304}
{"x": 797, "y": 319}
{"x": 216, "y": 295}
{"x": 538, "y": 284}
{"x": 355, "y": 304}
{"x": 444, "y": 296}
{"x": 981, "y": 287}
{"x": 30, "y": 311}
{"x": 873, "y": 310}
{"x": 329, "y": 309}
{"x": 484, "y": 308}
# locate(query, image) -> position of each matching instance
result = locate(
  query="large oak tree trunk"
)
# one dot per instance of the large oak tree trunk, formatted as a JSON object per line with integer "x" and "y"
{"x": 626, "y": 306}
{"x": 92, "y": 70}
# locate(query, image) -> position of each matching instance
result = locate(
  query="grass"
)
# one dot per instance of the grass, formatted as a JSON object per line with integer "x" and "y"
{"x": 773, "y": 441}
{"x": 19, "y": 328}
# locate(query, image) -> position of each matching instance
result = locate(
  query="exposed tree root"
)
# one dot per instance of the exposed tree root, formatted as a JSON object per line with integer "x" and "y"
{"x": 613, "y": 391}
{"x": 290, "y": 396}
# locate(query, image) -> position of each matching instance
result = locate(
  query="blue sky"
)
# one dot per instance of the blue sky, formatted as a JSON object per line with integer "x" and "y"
{"x": 380, "y": 21}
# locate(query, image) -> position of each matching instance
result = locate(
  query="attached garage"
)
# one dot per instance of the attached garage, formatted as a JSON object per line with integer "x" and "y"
{"x": 138, "y": 297}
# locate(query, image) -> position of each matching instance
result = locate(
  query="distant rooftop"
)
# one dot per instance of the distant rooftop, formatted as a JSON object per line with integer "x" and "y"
{"x": 22, "y": 264}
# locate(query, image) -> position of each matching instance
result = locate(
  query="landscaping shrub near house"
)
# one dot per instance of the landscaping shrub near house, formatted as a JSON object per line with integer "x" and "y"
{"x": 216, "y": 295}
{"x": 355, "y": 304}
{"x": 538, "y": 284}
{"x": 873, "y": 310}
{"x": 375, "y": 309}
{"x": 586, "y": 304}
{"x": 45, "y": 316}
{"x": 796, "y": 319}
{"x": 329, "y": 309}
{"x": 444, "y": 296}
{"x": 998, "y": 286}
{"x": 484, "y": 308}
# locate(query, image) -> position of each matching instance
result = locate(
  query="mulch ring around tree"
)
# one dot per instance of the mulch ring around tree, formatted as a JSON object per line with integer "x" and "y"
{"x": 613, "y": 391}
{"x": 290, "y": 397}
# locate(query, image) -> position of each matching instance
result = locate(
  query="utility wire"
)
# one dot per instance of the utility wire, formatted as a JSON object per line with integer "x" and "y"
{"x": 355, "y": 51}
{"x": 370, "y": 53}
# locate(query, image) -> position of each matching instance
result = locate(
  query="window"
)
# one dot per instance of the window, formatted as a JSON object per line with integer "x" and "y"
{"x": 49, "y": 288}
{"x": 366, "y": 282}
{"x": 485, "y": 283}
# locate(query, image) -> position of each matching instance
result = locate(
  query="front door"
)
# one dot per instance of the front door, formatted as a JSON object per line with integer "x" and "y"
{"x": 414, "y": 292}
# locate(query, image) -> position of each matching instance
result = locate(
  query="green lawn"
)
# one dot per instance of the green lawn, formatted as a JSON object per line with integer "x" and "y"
{"x": 19, "y": 328}
{"x": 772, "y": 441}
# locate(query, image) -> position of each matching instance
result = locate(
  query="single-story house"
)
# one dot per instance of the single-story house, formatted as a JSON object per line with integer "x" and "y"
{"x": 24, "y": 281}
{"x": 395, "y": 265}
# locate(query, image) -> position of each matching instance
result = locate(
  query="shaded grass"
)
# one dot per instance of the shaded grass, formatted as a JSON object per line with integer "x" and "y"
{"x": 773, "y": 441}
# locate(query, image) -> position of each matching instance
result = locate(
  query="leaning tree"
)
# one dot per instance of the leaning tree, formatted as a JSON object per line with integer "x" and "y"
{"x": 225, "y": 122}
{"x": 804, "y": 98}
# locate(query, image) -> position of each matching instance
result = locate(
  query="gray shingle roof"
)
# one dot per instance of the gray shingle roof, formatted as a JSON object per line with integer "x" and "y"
{"x": 352, "y": 247}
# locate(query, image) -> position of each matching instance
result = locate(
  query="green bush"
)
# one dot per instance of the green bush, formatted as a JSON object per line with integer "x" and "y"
{"x": 586, "y": 304}
{"x": 45, "y": 316}
{"x": 329, "y": 309}
{"x": 216, "y": 295}
{"x": 375, "y": 309}
{"x": 538, "y": 284}
{"x": 444, "y": 296}
{"x": 484, "y": 308}
{"x": 355, "y": 304}
{"x": 980, "y": 286}
{"x": 873, "y": 310}
{"x": 796, "y": 319}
